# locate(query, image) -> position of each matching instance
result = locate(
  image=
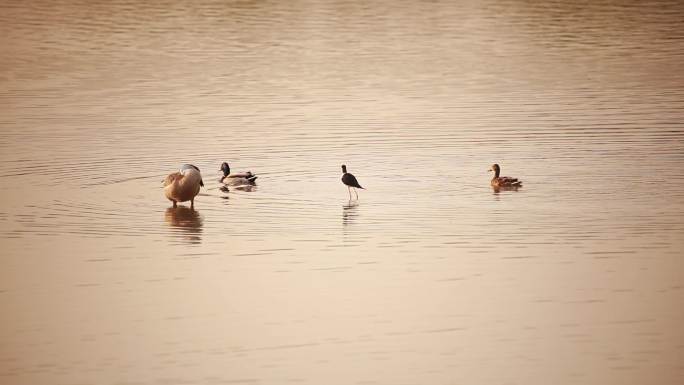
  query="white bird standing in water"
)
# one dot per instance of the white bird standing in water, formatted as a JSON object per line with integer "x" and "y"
{"x": 183, "y": 185}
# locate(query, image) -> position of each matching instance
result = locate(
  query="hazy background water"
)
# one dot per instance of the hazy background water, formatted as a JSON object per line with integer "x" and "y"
{"x": 430, "y": 278}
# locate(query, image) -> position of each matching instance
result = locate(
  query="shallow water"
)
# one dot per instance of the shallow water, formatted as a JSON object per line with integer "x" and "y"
{"x": 430, "y": 277}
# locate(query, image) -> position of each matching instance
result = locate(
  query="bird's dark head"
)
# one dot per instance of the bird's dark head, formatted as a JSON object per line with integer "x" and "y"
{"x": 496, "y": 169}
{"x": 225, "y": 168}
{"x": 344, "y": 169}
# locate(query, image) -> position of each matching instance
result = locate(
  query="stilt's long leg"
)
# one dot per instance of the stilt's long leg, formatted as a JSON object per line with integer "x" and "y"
{"x": 192, "y": 203}
{"x": 349, "y": 188}
{"x": 357, "y": 194}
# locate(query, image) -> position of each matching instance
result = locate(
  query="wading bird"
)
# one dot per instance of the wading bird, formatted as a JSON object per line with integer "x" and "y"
{"x": 350, "y": 180}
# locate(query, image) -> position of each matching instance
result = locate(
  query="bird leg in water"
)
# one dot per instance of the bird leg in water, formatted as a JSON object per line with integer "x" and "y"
{"x": 349, "y": 188}
{"x": 357, "y": 194}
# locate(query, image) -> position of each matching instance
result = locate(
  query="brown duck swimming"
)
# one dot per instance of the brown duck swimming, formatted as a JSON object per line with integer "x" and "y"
{"x": 183, "y": 185}
{"x": 350, "y": 180}
{"x": 503, "y": 181}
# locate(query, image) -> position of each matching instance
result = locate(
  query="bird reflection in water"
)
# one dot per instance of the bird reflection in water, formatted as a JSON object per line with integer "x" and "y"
{"x": 225, "y": 190}
{"x": 186, "y": 223}
{"x": 498, "y": 189}
{"x": 246, "y": 187}
{"x": 349, "y": 212}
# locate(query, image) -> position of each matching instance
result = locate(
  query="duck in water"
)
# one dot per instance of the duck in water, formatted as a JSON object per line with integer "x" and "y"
{"x": 503, "y": 181}
{"x": 240, "y": 179}
{"x": 183, "y": 185}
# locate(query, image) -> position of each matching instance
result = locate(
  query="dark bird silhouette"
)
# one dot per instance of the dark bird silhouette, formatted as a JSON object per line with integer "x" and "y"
{"x": 350, "y": 180}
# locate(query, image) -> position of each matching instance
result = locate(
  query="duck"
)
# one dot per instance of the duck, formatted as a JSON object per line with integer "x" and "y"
{"x": 350, "y": 181}
{"x": 183, "y": 185}
{"x": 245, "y": 178}
{"x": 503, "y": 181}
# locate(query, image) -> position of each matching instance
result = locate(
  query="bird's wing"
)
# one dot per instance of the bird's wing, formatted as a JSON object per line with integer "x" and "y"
{"x": 247, "y": 174}
{"x": 171, "y": 178}
{"x": 507, "y": 180}
{"x": 350, "y": 180}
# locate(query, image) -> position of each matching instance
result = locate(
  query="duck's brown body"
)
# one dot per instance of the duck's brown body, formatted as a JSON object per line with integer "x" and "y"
{"x": 503, "y": 181}
{"x": 183, "y": 186}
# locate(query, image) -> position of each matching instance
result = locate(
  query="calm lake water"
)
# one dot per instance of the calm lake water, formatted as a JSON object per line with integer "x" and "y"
{"x": 431, "y": 277}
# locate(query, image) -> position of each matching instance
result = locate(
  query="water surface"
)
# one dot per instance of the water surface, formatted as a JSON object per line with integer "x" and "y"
{"x": 431, "y": 277}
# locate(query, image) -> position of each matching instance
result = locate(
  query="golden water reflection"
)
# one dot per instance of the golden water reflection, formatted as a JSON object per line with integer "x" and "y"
{"x": 186, "y": 223}
{"x": 350, "y": 212}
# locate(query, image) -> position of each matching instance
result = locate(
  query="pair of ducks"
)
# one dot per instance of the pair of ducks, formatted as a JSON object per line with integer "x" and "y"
{"x": 185, "y": 184}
